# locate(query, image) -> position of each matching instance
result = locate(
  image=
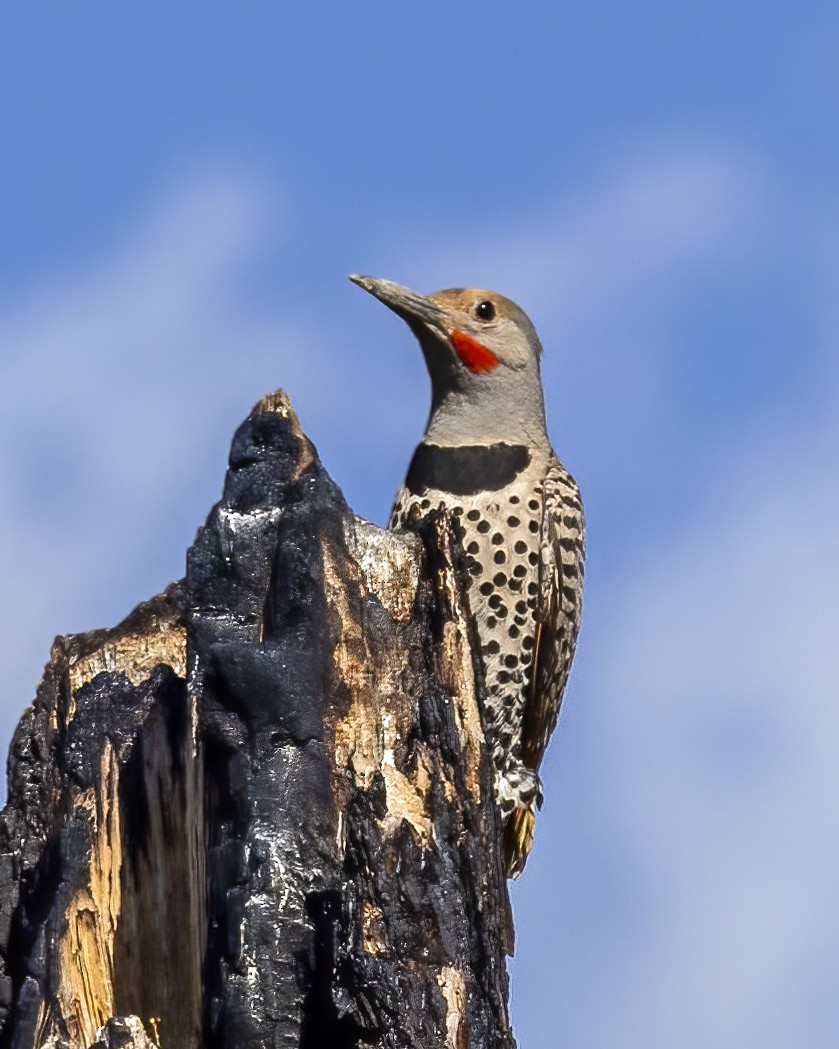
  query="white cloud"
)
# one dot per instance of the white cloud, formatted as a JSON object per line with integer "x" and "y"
{"x": 718, "y": 731}
{"x": 641, "y": 215}
{"x": 707, "y": 777}
{"x": 115, "y": 380}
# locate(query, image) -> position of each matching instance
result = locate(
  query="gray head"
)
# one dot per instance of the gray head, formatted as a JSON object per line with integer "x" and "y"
{"x": 482, "y": 353}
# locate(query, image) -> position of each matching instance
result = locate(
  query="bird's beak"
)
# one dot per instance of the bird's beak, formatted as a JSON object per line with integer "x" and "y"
{"x": 406, "y": 303}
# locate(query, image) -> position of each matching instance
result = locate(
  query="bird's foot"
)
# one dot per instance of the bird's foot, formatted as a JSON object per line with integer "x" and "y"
{"x": 517, "y": 787}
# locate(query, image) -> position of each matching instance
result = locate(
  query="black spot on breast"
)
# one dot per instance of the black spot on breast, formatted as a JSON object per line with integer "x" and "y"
{"x": 465, "y": 469}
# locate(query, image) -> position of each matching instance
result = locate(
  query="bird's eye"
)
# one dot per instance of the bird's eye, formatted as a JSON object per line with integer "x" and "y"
{"x": 485, "y": 310}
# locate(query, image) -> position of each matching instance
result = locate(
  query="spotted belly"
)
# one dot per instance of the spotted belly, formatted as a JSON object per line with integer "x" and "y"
{"x": 500, "y": 534}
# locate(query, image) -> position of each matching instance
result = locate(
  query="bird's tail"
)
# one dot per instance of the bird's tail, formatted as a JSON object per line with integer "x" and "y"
{"x": 518, "y": 839}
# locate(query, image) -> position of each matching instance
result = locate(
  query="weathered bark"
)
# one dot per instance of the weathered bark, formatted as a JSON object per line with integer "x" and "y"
{"x": 258, "y": 812}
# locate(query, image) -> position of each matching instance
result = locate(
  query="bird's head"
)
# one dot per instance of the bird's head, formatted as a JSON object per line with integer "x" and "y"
{"x": 483, "y": 356}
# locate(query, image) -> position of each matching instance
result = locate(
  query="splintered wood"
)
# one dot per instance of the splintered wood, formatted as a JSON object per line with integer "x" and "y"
{"x": 85, "y": 997}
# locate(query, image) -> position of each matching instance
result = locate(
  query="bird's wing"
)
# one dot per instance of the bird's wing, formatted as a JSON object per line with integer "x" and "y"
{"x": 562, "y": 558}
{"x": 561, "y": 566}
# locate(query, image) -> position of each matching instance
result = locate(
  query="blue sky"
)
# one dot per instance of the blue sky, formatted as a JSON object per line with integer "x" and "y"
{"x": 186, "y": 187}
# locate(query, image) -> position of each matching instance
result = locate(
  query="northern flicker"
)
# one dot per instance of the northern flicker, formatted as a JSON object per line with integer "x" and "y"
{"x": 487, "y": 460}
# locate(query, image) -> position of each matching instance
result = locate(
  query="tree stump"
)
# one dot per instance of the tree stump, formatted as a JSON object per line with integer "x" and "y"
{"x": 259, "y": 811}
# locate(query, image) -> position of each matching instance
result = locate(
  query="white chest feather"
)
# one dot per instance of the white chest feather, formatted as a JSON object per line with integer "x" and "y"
{"x": 500, "y": 534}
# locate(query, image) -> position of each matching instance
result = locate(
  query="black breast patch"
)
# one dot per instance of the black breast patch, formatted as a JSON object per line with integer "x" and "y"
{"x": 465, "y": 469}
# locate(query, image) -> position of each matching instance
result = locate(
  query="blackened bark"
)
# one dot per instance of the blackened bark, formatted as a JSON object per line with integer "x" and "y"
{"x": 258, "y": 812}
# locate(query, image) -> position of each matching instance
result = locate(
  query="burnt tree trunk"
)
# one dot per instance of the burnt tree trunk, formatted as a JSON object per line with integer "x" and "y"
{"x": 258, "y": 812}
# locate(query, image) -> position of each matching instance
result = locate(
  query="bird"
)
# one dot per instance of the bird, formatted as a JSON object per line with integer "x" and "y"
{"x": 487, "y": 461}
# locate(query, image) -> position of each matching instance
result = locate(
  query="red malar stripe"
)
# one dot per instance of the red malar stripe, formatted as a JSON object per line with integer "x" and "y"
{"x": 474, "y": 354}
